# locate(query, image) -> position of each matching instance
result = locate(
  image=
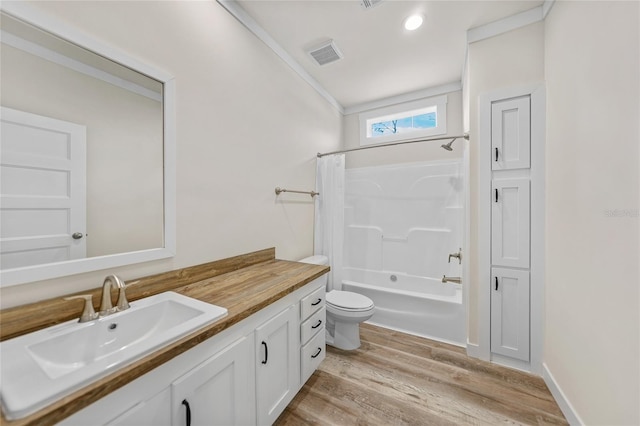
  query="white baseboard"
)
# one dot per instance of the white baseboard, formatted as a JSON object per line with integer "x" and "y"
{"x": 564, "y": 404}
{"x": 473, "y": 350}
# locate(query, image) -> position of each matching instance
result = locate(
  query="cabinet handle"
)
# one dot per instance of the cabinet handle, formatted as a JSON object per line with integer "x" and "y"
{"x": 496, "y": 154}
{"x": 317, "y": 325}
{"x": 186, "y": 403}
{"x": 317, "y": 353}
{"x": 266, "y": 352}
{"x": 318, "y": 301}
{"x": 496, "y": 283}
{"x": 496, "y": 194}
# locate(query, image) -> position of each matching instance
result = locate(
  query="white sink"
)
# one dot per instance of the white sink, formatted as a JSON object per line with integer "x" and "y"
{"x": 38, "y": 368}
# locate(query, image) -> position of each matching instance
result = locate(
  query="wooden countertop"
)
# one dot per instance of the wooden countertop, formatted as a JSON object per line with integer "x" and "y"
{"x": 244, "y": 285}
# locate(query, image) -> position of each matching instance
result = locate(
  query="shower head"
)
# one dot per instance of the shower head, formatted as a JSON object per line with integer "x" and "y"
{"x": 447, "y": 146}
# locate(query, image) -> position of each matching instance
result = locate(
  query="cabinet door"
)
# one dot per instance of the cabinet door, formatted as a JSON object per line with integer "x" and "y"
{"x": 510, "y": 313}
{"x": 218, "y": 391}
{"x": 277, "y": 364}
{"x": 153, "y": 412}
{"x": 510, "y": 219}
{"x": 511, "y": 134}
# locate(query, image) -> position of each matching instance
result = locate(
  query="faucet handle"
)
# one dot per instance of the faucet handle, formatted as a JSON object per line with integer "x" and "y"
{"x": 123, "y": 303}
{"x": 88, "y": 313}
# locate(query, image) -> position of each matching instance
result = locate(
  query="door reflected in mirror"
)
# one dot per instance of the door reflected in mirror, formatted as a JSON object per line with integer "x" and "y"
{"x": 82, "y": 152}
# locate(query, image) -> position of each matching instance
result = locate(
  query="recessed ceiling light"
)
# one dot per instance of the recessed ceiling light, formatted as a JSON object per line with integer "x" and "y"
{"x": 413, "y": 22}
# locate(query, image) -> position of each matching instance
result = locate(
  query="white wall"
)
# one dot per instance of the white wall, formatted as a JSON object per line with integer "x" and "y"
{"x": 511, "y": 59}
{"x": 592, "y": 72}
{"x": 246, "y": 123}
{"x": 417, "y": 152}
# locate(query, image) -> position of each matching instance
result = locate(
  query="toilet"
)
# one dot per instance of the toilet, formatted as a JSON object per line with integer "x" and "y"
{"x": 345, "y": 311}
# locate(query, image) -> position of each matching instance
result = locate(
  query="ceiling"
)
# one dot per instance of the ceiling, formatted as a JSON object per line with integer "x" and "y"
{"x": 381, "y": 58}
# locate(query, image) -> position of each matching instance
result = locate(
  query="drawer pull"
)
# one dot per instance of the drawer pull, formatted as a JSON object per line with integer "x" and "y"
{"x": 317, "y": 353}
{"x": 317, "y": 325}
{"x": 318, "y": 301}
{"x": 186, "y": 403}
{"x": 266, "y": 352}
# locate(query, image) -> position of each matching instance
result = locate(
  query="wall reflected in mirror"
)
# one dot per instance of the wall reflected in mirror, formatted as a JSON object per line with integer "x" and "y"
{"x": 81, "y": 152}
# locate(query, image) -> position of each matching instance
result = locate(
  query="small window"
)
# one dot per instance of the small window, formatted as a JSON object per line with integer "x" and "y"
{"x": 426, "y": 117}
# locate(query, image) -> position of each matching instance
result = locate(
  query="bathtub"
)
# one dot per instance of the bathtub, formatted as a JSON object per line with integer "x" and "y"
{"x": 421, "y": 306}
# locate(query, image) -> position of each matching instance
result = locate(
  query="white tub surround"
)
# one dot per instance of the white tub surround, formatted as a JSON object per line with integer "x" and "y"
{"x": 401, "y": 224}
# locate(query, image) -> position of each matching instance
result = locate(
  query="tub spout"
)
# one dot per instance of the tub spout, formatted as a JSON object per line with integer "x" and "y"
{"x": 446, "y": 279}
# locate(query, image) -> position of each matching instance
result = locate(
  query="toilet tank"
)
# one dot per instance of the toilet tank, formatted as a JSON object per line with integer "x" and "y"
{"x": 318, "y": 260}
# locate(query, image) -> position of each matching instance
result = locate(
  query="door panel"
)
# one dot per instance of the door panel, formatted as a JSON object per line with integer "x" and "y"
{"x": 510, "y": 223}
{"x": 277, "y": 364}
{"x": 42, "y": 190}
{"x": 218, "y": 391}
{"x": 511, "y": 134}
{"x": 510, "y": 322}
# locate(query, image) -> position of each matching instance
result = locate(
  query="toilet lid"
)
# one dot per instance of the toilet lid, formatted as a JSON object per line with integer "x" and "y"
{"x": 348, "y": 300}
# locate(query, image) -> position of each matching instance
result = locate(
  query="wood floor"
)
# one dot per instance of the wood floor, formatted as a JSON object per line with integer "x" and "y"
{"x": 398, "y": 379}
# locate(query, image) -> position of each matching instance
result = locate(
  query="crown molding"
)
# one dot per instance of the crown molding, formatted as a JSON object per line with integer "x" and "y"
{"x": 65, "y": 61}
{"x": 405, "y": 97}
{"x": 243, "y": 17}
{"x": 546, "y": 7}
{"x": 483, "y": 32}
{"x": 502, "y": 26}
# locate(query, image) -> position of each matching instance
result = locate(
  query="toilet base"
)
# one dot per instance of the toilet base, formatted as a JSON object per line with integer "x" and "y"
{"x": 345, "y": 336}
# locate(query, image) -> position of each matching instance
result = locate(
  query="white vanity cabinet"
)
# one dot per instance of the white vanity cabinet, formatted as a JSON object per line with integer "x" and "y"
{"x": 152, "y": 412}
{"x": 232, "y": 378}
{"x": 218, "y": 391}
{"x": 277, "y": 364}
{"x": 313, "y": 316}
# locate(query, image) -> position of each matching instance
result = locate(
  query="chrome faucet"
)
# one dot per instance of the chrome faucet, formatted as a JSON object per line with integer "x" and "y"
{"x": 106, "y": 306}
{"x": 446, "y": 279}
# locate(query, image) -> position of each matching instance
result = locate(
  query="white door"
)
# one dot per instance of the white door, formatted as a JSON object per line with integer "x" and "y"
{"x": 277, "y": 364}
{"x": 42, "y": 190}
{"x": 510, "y": 223}
{"x": 511, "y": 134}
{"x": 510, "y": 313}
{"x": 218, "y": 391}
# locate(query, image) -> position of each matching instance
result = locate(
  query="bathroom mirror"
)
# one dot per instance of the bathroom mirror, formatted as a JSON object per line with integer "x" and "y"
{"x": 87, "y": 153}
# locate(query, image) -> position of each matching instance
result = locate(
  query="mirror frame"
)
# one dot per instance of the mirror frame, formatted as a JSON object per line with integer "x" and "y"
{"x": 15, "y": 276}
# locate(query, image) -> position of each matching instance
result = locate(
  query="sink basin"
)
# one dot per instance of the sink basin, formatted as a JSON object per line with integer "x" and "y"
{"x": 41, "y": 367}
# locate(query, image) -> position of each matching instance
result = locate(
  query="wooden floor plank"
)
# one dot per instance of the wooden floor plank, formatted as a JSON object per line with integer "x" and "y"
{"x": 399, "y": 379}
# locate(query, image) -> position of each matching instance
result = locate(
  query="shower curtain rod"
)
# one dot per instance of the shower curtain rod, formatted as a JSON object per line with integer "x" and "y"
{"x": 465, "y": 136}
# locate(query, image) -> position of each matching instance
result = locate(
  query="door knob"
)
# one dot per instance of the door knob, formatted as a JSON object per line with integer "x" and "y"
{"x": 77, "y": 235}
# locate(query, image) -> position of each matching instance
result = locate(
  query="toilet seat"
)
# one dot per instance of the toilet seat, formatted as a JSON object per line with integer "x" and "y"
{"x": 348, "y": 301}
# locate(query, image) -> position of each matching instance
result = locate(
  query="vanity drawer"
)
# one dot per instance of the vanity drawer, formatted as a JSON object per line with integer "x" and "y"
{"x": 311, "y": 326}
{"x": 311, "y": 303}
{"x": 312, "y": 354}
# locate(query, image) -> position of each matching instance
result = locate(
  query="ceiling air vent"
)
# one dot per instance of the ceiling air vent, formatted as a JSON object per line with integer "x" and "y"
{"x": 326, "y": 53}
{"x": 368, "y": 4}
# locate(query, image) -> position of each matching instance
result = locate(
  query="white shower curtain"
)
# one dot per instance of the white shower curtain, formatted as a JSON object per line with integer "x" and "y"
{"x": 329, "y": 215}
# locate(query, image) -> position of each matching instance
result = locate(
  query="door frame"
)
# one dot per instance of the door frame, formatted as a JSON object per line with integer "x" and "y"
{"x": 537, "y": 267}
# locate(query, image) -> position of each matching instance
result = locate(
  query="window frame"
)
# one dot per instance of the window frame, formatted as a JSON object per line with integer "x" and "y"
{"x": 379, "y": 114}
